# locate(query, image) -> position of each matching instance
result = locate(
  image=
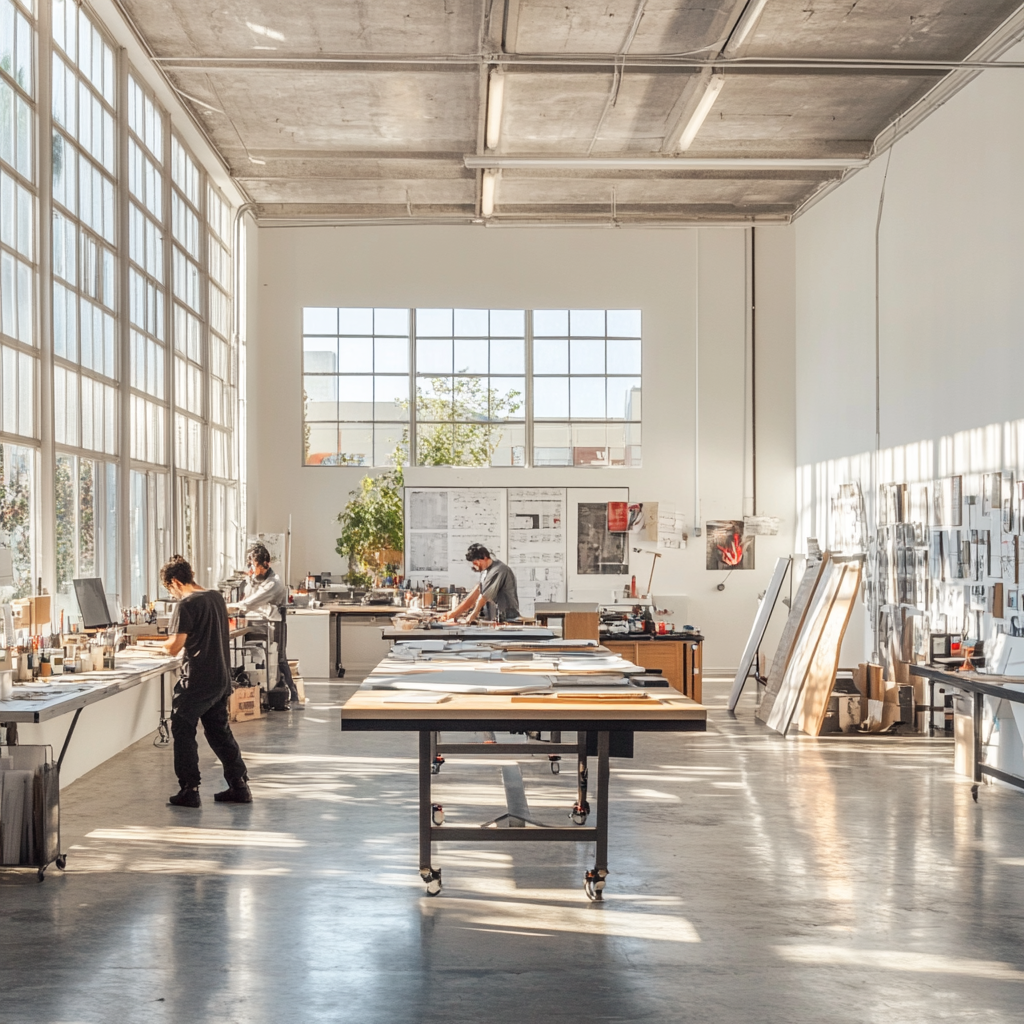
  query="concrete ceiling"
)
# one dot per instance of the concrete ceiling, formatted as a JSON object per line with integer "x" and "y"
{"x": 356, "y": 109}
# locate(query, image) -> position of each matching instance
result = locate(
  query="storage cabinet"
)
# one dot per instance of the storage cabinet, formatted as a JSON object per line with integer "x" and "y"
{"x": 678, "y": 660}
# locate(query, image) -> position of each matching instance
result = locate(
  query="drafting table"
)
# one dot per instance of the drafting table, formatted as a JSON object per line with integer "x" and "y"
{"x": 603, "y": 728}
{"x": 474, "y": 632}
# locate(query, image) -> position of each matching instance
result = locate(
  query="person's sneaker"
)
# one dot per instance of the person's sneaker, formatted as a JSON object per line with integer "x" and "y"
{"x": 185, "y": 798}
{"x": 298, "y": 704}
{"x": 237, "y": 793}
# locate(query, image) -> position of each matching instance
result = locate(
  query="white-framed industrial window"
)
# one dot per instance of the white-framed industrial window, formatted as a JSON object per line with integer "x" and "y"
{"x": 471, "y": 387}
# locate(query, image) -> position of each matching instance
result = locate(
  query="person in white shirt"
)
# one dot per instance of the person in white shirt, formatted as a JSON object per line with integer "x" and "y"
{"x": 266, "y": 597}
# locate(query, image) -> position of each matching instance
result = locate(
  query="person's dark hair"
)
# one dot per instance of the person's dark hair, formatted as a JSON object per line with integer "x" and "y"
{"x": 258, "y": 553}
{"x": 477, "y": 551}
{"x": 177, "y": 569}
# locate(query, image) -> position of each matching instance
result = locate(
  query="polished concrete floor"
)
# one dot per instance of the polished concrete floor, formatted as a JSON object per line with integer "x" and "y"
{"x": 753, "y": 879}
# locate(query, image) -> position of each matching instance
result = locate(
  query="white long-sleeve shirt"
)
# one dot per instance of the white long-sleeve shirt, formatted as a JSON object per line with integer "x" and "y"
{"x": 266, "y": 597}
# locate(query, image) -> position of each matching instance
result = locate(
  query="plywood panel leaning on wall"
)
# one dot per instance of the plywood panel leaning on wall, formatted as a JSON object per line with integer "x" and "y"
{"x": 801, "y": 602}
{"x": 821, "y": 673}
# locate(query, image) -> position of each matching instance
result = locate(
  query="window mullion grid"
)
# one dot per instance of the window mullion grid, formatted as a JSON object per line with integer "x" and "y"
{"x": 412, "y": 388}
{"x": 205, "y": 303}
{"x": 528, "y": 397}
{"x": 170, "y": 376}
{"x": 124, "y": 432}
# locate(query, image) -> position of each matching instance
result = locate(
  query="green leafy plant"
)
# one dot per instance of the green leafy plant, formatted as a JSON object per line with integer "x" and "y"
{"x": 472, "y": 443}
{"x": 373, "y": 524}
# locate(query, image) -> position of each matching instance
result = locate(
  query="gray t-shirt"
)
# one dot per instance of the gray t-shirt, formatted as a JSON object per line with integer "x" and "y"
{"x": 498, "y": 587}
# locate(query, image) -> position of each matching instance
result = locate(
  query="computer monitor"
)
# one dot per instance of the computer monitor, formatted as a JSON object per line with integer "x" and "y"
{"x": 92, "y": 603}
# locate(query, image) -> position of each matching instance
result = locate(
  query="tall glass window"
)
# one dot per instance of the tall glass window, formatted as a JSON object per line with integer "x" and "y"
{"x": 18, "y": 513}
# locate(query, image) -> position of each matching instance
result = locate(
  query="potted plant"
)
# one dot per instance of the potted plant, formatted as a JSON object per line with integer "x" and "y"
{"x": 373, "y": 527}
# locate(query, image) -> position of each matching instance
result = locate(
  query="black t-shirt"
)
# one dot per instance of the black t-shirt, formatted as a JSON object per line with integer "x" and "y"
{"x": 203, "y": 616}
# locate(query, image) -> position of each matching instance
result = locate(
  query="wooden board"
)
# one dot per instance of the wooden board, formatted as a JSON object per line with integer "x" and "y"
{"x": 764, "y": 613}
{"x": 801, "y": 600}
{"x": 821, "y": 673}
{"x": 804, "y": 647}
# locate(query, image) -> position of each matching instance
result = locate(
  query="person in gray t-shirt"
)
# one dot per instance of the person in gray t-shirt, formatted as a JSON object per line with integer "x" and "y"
{"x": 497, "y": 595}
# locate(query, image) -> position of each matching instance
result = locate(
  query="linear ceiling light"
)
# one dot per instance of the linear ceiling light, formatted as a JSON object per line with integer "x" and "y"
{"x": 495, "y": 102}
{"x": 487, "y": 188}
{"x": 701, "y": 111}
{"x": 663, "y": 163}
{"x": 748, "y": 19}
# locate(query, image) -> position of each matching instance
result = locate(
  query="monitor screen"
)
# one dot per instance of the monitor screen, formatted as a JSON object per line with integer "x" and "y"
{"x": 92, "y": 602}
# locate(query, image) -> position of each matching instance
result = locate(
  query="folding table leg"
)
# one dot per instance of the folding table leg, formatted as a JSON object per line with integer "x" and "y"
{"x": 593, "y": 884}
{"x": 427, "y": 872}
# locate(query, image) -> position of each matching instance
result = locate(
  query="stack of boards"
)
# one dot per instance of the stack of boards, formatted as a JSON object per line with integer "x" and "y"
{"x": 803, "y": 671}
{"x": 29, "y": 810}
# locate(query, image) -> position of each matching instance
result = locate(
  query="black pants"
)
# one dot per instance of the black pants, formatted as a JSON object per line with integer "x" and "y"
{"x": 186, "y": 714}
{"x": 284, "y": 670}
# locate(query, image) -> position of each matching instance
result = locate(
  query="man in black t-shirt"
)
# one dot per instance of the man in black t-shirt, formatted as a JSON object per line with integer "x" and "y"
{"x": 199, "y": 626}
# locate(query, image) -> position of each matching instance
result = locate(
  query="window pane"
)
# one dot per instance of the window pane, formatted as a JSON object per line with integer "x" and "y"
{"x": 551, "y": 397}
{"x": 391, "y": 321}
{"x": 319, "y": 321}
{"x": 586, "y": 323}
{"x": 391, "y": 398}
{"x": 552, "y": 445}
{"x": 550, "y": 323}
{"x": 586, "y": 356}
{"x": 320, "y": 355}
{"x": 471, "y": 323}
{"x": 507, "y": 398}
{"x": 508, "y": 323}
{"x": 623, "y": 323}
{"x": 508, "y": 357}
{"x": 433, "y": 323}
{"x": 391, "y": 355}
{"x": 355, "y": 390}
{"x": 390, "y": 445}
{"x": 624, "y": 398}
{"x": 356, "y": 445}
{"x": 434, "y": 398}
{"x": 355, "y": 321}
{"x": 433, "y": 356}
{"x": 321, "y": 443}
{"x": 355, "y": 355}
{"x": 587, "y": 397}
{"x": 624, "y": 356}
{"x": 470, "y": 355}
{"x": 551, "y": 356}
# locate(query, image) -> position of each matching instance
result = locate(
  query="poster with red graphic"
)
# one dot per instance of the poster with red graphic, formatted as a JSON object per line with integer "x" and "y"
{"x": 618, "y": 516}
{"x": 727, "y": 547}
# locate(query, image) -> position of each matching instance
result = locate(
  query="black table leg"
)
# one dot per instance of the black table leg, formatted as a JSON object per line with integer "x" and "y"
{"x": 427, "y": 872}
{"x": 67, "y": 739}
{"x": 581, "y": 808}
{"x": 979, "y": 753}
{"x": 595, "y": 879}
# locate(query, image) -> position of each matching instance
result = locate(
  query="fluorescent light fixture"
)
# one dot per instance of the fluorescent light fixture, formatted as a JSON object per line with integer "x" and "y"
{"x": 700, "y": 113}
{"x": 748, "y": 19}
{"x": 664, "y": 163}
{"x": 495, "y": 102}
{"x": 487, "y": 193}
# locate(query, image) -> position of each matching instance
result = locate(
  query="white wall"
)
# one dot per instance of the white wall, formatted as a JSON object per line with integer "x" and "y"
{"x": 951, "y": 303}
{"x": 654, "y": 270}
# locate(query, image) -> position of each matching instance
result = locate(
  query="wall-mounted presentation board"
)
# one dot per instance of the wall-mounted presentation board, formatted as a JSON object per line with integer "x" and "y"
{"x": 555, "y": 539}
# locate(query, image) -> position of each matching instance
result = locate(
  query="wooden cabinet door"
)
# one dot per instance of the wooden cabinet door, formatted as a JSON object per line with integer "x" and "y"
{"x": 624, "y": 648}
{"x": 666, "y": 655}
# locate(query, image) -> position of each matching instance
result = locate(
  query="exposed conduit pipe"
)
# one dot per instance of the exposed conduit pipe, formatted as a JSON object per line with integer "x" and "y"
{"x": 696, "y": 384}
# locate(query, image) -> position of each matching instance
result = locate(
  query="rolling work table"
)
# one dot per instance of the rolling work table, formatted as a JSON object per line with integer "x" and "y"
{"x": 599, "y": 705}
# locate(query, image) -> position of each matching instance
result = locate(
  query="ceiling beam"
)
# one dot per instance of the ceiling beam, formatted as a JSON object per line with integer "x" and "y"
{"x": 664, "y": 163}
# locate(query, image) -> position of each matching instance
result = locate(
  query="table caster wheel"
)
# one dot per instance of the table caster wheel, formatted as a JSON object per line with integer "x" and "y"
{"x": 578, "y": 817}
{"x": 433, "y": 880}
{"x": 61, "y": 861}
{"x": 974, "y": 792}
{"x": 593, "y": 885}
{"x": 41, "y": 874}
{"x": 555, "y": 766}
{"x": 437, "y": 814}
{"x": 435, "y": 765}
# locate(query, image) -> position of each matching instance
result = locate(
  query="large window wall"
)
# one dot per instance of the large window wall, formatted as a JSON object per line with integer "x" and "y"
{"x": 118, "y": 363}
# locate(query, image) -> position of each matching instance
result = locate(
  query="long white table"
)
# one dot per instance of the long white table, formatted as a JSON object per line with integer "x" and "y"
{"x": 135, "y": 703}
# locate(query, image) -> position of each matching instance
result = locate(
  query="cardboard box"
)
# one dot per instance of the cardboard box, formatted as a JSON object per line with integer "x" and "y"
{"x": 31, "y": 612}
{"x": 244, "y": 704}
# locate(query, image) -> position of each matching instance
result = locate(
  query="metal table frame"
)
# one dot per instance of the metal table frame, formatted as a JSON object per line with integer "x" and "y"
{"x": 980, "y": 689}
{"x": 434, "y": 831}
